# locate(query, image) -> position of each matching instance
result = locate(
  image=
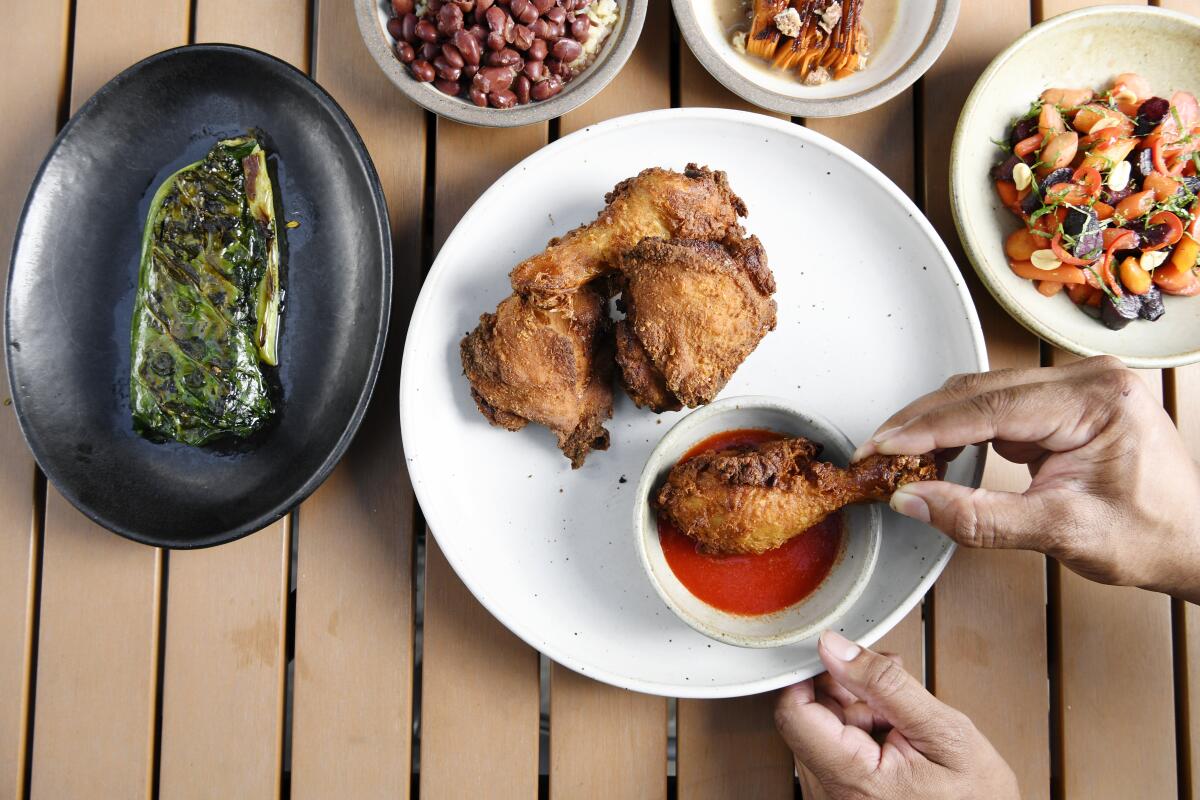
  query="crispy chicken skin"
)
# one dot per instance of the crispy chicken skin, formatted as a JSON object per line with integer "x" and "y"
{"x": 753, "y": 499}
{"x": 694, "y": 204}
{"x": 694, "y": 311}
{"x": 549, "y": 366}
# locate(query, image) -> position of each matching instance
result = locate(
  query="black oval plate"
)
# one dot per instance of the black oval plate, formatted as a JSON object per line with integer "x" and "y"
{"x": 75, "y": 267}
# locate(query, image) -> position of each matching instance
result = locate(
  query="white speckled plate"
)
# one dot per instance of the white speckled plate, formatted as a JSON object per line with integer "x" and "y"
{"x": 872, "y": 313}
{"x": 1083, "y": 48}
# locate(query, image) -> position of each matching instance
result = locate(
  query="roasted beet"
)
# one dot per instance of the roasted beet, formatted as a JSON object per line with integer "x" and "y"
{"x": 1152, "y": 235}
{"x": 1143, "y": 163}
{"x": 1191, "y": 183}
{"x": 1058, "y": 176}
{"x": 1031, "y": 203}
{"x": 1150, "y": 113}
{"x": 1107, "y": 195}
{"x": 1117, "y": 315}
{"x": 1084, "y": 226}
{"x": 1004, "y": 170}
{"x": 1023, "y": 129}
{"x": 1152, "y": 305}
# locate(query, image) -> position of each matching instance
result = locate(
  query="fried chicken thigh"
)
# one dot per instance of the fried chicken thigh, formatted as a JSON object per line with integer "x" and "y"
{"x": 695, "y": 204}
{"x": 753, "y": 499}
{"x": 549, "y": 366}
{"x": 694, "y": 311}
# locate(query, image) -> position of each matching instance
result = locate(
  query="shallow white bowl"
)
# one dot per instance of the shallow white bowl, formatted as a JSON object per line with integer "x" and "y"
{"x": 1083, "y": 48}
{"x": 846, "y": 580}
{"x": 907, "y": 36}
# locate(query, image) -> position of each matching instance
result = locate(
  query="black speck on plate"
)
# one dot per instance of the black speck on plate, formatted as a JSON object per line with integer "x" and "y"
{"x": 75, "y": 266}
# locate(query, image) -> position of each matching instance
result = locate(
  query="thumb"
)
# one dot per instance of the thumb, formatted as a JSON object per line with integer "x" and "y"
{"x": 975, "y": 517}
{"x": 932, "y": 727}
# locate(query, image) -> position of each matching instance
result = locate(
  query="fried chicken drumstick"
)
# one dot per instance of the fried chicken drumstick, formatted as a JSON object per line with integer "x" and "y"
{"x": 753, "y": 499}
{"x": 693, "y": 312}
{"x": 694, "y": 204}
{"x": 549, "y": 366}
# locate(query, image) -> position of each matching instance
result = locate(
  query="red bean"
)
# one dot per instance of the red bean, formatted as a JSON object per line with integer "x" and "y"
{"x": 535, "y": 71}
{"x": 494, "y": 79}
{"x": 506, "y": 58}
{"x": 546, "y": 89}
{"x": 502, "y": 99}
{"x": 395, "y": 28}
{"x": 405, "y": 52}
{"x": 581, "y": 28}
{"x": 465, "y": 6}
{"x": 541, "y": 29}
{"x": 478, "y": 97}
{"x": 556, "y": 15}
{"x": 430, "y": 51}
{"x": 522, "y": 37}
{"x": 467, "y": 46}
{"x": 435, "y": 6}
{"x": 446, "y": 70}
{"x": 557, "y": 30}
{"x": 408, "y": 28}
{"x": 447, "y": 87}
{"x": 538, "y": 50}
{"x": 426, "y": 31}
{"x": 422, "y": 70}
{"x": 521, "y": 87}
{"x": 452, "y": 55}
{"x": 496, "y": 18}
{"x": 567, "y": 50}
{"x": 450, "y": 19}
{"x": 543, "y": 6}
{"x": 481, "y": 6}
{"x": 469, "y": 70}
{"x": 495, "y": 41}
{"x": 523, "y": 10}
{"x": 402, "y": 7}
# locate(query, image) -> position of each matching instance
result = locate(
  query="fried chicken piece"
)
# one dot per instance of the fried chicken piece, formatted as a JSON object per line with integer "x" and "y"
{"x": 693, "y": 312}
{"x": 694, "y": 204}
{"x": 753, "y": 499}
{"x": 549, "y": 366}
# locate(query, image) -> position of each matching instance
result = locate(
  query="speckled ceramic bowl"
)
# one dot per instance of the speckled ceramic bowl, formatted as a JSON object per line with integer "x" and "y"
{"x": 372, "y": 22}
{"x": 821, "y": 609}
{"x": 1082, "y": 48}
{"x": 907, "y": 36}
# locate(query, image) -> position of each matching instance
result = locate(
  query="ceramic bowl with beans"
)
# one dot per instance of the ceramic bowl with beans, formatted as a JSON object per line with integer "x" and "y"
{"x": 500, "y": 63}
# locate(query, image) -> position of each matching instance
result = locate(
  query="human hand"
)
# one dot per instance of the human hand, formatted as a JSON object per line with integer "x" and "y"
{"x": 1115, "y": 495}
{"x": 868, "y": 729}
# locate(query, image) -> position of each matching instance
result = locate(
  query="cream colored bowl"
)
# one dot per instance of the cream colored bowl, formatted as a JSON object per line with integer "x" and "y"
{"x": 846, "y": 580}
{"x": 1082, "y": 48}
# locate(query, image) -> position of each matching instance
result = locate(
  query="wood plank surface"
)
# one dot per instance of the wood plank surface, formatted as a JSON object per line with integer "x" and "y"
{"x": 480, "y": 688}
{"x": 98, "y": 631}
{"x": 606, "y": 742}
{"x": 1187, "y": 417}
{"x": 224, "y": 664}
{"x": 989, "y": 617}
{"x": 353, "y": 675}
{"x": 726, "y": 748}
{"x": 34, "y": 35}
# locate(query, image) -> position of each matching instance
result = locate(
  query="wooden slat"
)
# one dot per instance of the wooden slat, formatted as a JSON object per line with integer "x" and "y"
{"x": 989, "y": 608}
{"x": 352, "y": 706}
{"x": 726, "y": 748}
{"x": 480, "y": 696}
{"x": 606, "y": 742}
{"x": 470, "y": 661}
{"x": 98, "y": 638}
{"x": 1187, "y": 418}
{"x": 34, "y": 35}
{"x": 225, "y": 662}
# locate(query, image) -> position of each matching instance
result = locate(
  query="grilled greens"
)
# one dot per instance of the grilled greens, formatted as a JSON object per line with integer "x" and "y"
{"x": 207, "y": 309}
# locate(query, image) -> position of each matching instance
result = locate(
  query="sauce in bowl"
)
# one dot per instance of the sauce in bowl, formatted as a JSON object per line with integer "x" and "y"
{"x": 752, "y": 584}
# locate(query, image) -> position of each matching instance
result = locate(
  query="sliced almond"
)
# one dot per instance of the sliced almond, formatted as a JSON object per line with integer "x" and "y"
{"x": 1045, "y": 260}
{"x": 1104, "y": 122}
{"x": 1022, "y": 176}
{"x": 1118, "y": 177}
{"x": 1125, "y": 95}
{"x": 1152, "y": 259}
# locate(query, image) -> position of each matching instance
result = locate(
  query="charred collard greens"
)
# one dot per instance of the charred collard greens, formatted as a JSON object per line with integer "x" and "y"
{"x": 206, "y": 316}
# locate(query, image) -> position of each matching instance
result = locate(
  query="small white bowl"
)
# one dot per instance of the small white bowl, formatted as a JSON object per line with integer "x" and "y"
{"x": 907, "y": 36}
{"x": 845, "y": 582}
{"x": 1084, "y": 48}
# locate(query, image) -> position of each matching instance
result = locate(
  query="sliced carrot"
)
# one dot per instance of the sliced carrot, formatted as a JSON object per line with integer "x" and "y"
{"x": 1027, "y": 146}
{"x": 1049, "y": 288}
{"x": 1135, "y": 279}
{"x": 1063, "y": 274}
{"x": 1103, "y": 210}
{"x": 1020, "y": 244}
{"x": 1079, "y": 293}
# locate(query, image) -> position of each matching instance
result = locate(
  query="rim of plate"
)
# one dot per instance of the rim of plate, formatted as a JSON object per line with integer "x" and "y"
{"x": 942, "y": 23}
{"x": 440, "y": 267}
{"x": 979, "y": 262}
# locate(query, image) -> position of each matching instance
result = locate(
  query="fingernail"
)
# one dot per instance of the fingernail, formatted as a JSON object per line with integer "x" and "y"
{"x": 910, "y": 504}
{"x": 883, "y": 436}
{"x": 839, "y": 646}
{"x": 863, "y": 451}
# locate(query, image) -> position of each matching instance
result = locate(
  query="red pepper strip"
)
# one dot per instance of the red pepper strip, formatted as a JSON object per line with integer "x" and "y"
{"x": 1156, "y": 155}
{"x": 1105, "y": 268}
{"x": 1174, "y": 226}
{"x": 1084, "y": 187}
{"x": 1062, "y": 255}
{"x": 1088, "y": 178}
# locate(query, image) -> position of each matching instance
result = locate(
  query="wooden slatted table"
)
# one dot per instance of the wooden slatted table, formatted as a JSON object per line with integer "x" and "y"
{"x": 336, "y": 654}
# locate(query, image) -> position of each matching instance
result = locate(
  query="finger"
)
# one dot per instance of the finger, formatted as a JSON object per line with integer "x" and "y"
{"x": 826, "y": 685}
{"x": 818, "y": 738}
{"x": 1050, "y": 415}
{"x": 929, "y": 724}
{"x": 978, "y": 517}
{"x": 968, "y": 385}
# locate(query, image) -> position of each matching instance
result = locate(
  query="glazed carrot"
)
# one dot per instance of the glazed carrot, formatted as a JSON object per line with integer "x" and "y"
{"x": 1049, "y": 288}
{"x": 1027, "y": 146}
{"x": 1063, "y": 274}
{"x": 1135, "y": 279}
{"x": 1020, "y": 244}
{"x": 1103, "y": 210}
{"x": 1079, "y": 293}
